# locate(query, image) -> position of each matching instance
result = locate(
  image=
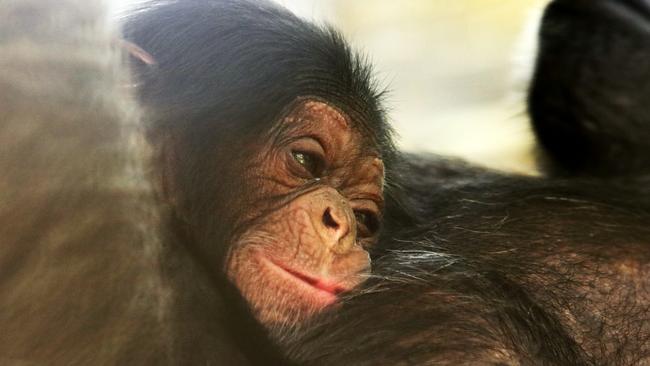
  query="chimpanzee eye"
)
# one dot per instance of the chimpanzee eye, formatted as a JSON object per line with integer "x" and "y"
{"x": 310, "y": 162}
{"x": 367, "y": 223}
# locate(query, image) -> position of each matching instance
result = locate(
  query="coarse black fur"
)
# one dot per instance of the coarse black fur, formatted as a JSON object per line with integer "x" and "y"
{"x": 503, "y": 270}
{"x": 590, "y": 92}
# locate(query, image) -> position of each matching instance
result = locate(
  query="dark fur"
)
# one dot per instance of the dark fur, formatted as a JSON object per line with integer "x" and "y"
{"x": 503, "y": 270}
{"x": 590, "y": 93}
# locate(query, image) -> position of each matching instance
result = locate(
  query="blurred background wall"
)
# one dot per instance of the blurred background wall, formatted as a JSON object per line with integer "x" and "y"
{"x": 457, "y": 70}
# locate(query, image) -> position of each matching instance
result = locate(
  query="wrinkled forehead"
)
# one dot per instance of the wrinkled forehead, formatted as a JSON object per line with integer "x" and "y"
{"x": 340, "y": 132}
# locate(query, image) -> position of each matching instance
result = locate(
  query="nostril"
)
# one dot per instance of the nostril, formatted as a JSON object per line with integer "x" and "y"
{"x": 328, "y": 220}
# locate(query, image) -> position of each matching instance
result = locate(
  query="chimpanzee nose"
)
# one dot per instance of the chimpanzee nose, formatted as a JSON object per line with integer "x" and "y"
{"x": 333, "y": 220}
{"x": 336, "y": 223}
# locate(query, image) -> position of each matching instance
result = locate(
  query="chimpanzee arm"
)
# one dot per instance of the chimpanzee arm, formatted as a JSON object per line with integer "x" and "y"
{"x": 78, "y": 236}
{"x": 526, "y": 272}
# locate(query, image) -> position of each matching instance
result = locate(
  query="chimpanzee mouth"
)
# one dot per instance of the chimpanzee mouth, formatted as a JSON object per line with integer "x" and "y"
{"x": 323, "y": 286}
{"x": 319, "y": 284}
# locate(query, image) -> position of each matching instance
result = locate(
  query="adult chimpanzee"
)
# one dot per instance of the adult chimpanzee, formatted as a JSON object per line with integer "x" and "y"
{"x": 483, "y": 266}
{"x": 474, "y": 266}
{"x": 496, "y": 269}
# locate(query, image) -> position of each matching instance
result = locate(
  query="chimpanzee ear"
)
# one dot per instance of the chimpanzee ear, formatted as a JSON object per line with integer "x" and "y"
{"x": 137, "y": 53}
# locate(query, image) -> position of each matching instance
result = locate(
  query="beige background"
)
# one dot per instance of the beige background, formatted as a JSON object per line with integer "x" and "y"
{"x": 457, "y": 69}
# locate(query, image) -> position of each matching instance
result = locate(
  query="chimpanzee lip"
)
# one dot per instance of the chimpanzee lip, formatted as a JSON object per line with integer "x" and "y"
{"x": 319, "y": 284}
